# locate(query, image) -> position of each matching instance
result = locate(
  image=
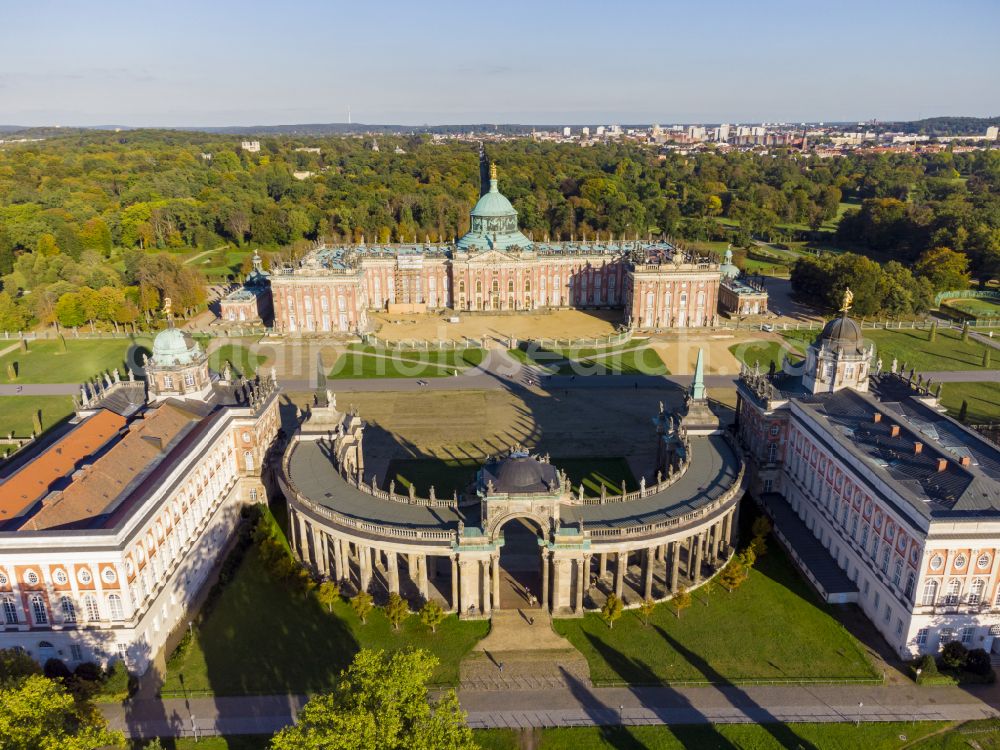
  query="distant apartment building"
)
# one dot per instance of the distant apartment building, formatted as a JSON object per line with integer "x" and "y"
{"x": 251, "y": 146}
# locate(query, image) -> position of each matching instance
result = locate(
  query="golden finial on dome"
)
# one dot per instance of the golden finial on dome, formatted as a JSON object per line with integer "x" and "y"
{"x": 493, "y": 170}
{"x": 848, "y": 299}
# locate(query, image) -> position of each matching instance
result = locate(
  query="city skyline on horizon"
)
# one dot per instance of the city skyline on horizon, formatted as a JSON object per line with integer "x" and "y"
{"x": 238, "y": 65}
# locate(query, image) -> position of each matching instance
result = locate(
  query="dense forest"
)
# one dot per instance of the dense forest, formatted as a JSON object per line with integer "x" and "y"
{"x": 94, "y": 225}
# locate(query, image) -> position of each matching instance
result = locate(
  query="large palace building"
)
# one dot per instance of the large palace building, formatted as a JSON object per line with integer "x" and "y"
{"x": 881, "y": 498}
{"x": 495, "y": 267}
{"x": 520, "y": 520}
{"x": 109, "y": 528}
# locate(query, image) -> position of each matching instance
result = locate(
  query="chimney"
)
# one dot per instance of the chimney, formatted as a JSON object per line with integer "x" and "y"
{"x": 942, "y": 464}
{"x": 894, "y": 431}
{"x": 965, "y": 461}
{"x": 877, "y": 418}
{"x": 918, "y": 447}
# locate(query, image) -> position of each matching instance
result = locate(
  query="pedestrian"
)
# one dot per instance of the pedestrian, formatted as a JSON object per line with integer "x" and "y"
{"x": 531, "y": 620}
{"x": 501, "y": 667}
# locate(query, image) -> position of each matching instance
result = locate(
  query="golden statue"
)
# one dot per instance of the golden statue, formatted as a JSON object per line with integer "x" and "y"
{"x": 493, "y": 170}
{"x": 166, "y": 306}
{"x": 848, "y": 299}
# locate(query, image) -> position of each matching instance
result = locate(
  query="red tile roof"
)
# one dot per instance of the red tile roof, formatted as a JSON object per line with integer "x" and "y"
{"x": 61, "y": 459}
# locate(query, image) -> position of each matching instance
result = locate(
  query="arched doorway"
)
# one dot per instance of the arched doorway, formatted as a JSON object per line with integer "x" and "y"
{"x": 520, "y": 565}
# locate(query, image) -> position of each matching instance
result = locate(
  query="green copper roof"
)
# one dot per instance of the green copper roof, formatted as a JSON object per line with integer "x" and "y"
{"x": 494, "y": 203}
{"x": 493, "y": 224}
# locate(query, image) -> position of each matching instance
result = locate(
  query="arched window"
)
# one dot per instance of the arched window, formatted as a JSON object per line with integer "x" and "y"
{"x": 479, "y": 286}
{"x": 9, "y": 611}
{"x": 68, "y": 610}
{"x": 930, "y": 593}
{"x": 496, "y": 285}
{"x": 510, "y": 285}
{"x": 910, "y": 580}
{"x": 253, "y": 494}
{"x": 115, "y": 607}
{"x": 954, "y": 591}
{"x": 772, "y": 452}
{"x": 461, "y": 287}
{"x": 897, "y": 572}
{"x": 527, "y": 285}
{"x": 976, "y": 592}
{"x": 248, "y": 460}
{"x": 90, "y": 608}
{"x": 38, "y": 610}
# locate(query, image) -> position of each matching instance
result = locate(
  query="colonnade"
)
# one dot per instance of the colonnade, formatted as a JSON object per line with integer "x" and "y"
{"x": 469, "y": 582}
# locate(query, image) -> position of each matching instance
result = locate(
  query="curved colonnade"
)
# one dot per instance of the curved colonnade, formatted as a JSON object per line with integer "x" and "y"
{"x": 642, "y": 544}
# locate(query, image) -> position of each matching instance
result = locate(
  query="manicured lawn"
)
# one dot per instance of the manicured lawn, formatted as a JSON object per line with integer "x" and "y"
{"x": 46, "y": 362}
{"x": 978, "y": 308}
{"x": 263, "y": 638}
{"x": 842, "y": 736}
{"x": 368, "y": 362}
{"x": 17, "y": 413}
{"x": 594, "y": 472}
{"x": 447, "y": 475}
{"x": 454, "y": 475}
{"x": 772, "y": 626}
{"x": 946, "y": 352}
{"x": 983, "y": 400}
{"x": 980, "y": 735}
{"x": 243, "y": 360}
{"x": 618, "y": 360}
{"x": 766, "y": 352}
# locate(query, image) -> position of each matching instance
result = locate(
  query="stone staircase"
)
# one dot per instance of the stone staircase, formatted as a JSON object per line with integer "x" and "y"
{"x": 532, "y": 655}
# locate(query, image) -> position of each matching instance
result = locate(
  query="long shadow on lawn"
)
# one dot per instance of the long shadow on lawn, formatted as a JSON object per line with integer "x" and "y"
{"x": 782, "y": 733}
{"x": 664, "y": 702}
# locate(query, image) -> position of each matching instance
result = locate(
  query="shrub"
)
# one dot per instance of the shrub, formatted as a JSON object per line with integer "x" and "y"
{"x": 396, "y": 610}
{"x": 431, "y": 615}
{"x": 15, "y": 664}
{"x": 56, "y": 669}
{"x": 88, "y": 671}
{"x": 954, "y": 654}
{"x": 978, "y": 662}
{"x": 612, "y": 609}
{"x": 361, "y": 603}
{"x": 927, "y": 664}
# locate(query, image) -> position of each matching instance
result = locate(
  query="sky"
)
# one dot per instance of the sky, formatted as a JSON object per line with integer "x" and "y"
{"x": 217, "y": 62}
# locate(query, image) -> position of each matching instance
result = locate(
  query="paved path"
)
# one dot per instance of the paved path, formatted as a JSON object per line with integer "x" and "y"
{"x": 579, "y": 705}
{"x": 476, "y": 379}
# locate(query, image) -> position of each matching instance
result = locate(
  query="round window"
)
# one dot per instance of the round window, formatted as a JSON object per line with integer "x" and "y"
{"x": 109, "y": 575}
{"x": 936, "y": 562}
{"x": 246, "y": 436}
{"x": 60, "y": 576}
{"x": 983, "y": 562}
{"x": 960, "y": 561}
{"x": 3, "y": 579}
{"x": 31, "y": 577}
{"x": 83, "y": 576}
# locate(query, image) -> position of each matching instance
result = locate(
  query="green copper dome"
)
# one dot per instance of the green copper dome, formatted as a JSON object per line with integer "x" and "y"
{"x": 494, "y": 203}
{"x": 173, "y": 347}
{"x": 493, "y": 223}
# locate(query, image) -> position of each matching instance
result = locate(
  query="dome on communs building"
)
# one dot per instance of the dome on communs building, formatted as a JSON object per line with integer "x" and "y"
{"x": 173, "y": 347}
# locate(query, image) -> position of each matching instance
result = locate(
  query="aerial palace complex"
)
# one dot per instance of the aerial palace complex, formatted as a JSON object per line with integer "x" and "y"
{"x": 495, "y": 267}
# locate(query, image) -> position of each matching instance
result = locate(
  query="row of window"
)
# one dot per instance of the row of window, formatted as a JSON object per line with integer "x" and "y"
{"x": 69, "y": 613}
{"x": 965, "y": 634}
{"x": 953, "y": 593}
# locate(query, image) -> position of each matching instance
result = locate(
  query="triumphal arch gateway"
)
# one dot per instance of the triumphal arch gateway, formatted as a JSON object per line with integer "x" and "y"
{"x": 520, "y": 534}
